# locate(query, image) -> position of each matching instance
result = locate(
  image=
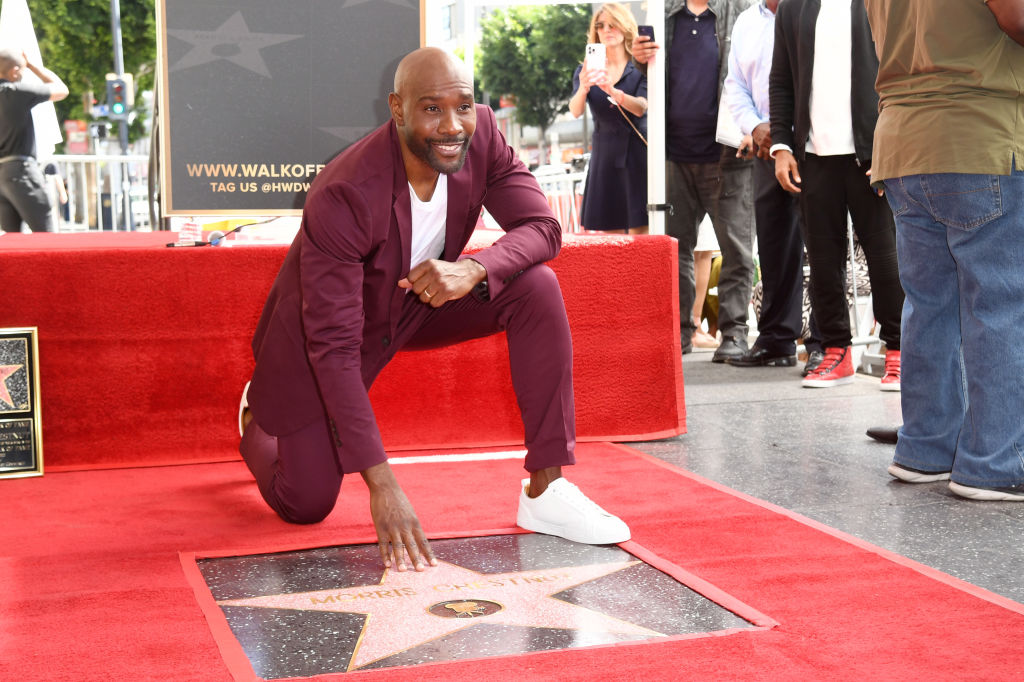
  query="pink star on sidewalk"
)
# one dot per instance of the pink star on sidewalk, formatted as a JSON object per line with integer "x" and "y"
{"x": 410, "y": 608}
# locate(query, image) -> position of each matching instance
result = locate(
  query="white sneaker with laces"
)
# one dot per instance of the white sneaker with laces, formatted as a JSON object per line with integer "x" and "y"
{"x": 243, "y": 405}
{"x": 564, "y": 511}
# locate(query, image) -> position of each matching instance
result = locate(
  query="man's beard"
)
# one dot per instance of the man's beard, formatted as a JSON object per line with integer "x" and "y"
{"x": 425, "y": 151}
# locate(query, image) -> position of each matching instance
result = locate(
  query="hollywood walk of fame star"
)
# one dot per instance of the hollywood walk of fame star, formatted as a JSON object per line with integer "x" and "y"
{"x": 400, "y": 617}
{"x": 232, "y": 41}
{"x": 6, "y": 371}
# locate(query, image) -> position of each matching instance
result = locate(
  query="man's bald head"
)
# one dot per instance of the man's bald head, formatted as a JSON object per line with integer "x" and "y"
{"x": 428, "y": 63}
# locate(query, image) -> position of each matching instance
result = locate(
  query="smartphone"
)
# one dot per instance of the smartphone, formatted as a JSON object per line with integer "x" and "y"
{"x": 596, "y": 56}
{"x": 646, "y": 30}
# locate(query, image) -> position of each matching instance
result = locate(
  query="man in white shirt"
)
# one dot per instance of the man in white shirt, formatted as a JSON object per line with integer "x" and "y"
{"x": 780, "y": 248}
{"x": 823, "y": 112}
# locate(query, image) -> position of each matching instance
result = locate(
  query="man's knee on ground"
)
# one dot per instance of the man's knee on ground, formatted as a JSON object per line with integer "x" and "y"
{"x": 306, "y": 511}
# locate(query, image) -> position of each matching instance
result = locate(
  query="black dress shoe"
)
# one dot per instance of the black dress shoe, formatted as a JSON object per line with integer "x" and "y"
{"x": 814, "y": 359}
{"x": 884, "y": 434}
{"x": 731, "y": 347}
{"x": 762, "y": 357}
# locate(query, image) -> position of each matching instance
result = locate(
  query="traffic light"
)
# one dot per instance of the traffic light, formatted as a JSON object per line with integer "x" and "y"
{"x": 120, "y": 95}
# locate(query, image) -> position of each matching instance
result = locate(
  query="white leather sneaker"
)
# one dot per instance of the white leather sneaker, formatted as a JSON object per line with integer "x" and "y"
{"x": 243, "y": 405}
{"x": 564, "y": 511}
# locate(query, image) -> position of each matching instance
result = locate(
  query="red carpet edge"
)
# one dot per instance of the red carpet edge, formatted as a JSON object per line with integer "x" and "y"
{"x": 928, "y": 571}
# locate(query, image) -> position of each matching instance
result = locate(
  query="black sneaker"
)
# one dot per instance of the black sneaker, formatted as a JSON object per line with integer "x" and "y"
{"x": 884, "y": 434}
{"x": 731, "y": 347}
{"x": 814, "y": 359}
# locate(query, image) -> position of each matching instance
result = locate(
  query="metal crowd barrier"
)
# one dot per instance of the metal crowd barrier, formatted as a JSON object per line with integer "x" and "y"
{"x": 110, "y": 192}
{"x": 564, "y": 192}
{"x": 104, "y": 191}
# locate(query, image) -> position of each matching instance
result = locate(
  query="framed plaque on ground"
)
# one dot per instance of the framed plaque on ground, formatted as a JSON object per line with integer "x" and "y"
{"x": 21, "y": 433}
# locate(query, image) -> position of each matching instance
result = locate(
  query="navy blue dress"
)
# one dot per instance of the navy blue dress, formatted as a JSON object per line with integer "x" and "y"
{"x": 615, "y": 197}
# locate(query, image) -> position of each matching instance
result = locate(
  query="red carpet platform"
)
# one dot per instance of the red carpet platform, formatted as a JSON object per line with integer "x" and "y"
{"x": 144, "y": 349}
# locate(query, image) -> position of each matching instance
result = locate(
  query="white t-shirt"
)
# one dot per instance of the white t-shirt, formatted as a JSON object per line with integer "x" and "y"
{"x": 831, "y": 114}
{"x": 428, "y": 223}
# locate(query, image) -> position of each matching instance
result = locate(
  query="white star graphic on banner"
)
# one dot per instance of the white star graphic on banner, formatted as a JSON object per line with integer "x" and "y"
{"x": 348, "y": 133}
{"x": 411, "y": 608}
{"x": 232, "y": 41}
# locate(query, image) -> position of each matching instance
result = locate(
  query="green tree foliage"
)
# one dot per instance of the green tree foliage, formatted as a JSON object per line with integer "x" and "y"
{"x": 76, "y": 43}
{"x": 530, "y": 53}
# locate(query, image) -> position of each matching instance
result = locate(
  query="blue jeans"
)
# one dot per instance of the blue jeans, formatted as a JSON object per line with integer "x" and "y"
{"x": 960, "y": 240}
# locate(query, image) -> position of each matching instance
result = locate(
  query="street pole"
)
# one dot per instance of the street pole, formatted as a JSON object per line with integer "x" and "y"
{"x": 122, "y": 125}
{"x": 656, "y": 92}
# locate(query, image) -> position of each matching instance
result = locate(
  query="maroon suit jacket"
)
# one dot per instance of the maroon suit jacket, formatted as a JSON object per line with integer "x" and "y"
{"x": 326, "y": 328}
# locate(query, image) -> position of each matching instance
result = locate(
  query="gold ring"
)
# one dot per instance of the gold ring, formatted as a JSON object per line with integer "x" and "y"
{"x": 427, "y": 294}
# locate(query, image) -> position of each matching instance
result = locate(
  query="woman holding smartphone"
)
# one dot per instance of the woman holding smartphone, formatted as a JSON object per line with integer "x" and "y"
{"x": 615, "y": 197}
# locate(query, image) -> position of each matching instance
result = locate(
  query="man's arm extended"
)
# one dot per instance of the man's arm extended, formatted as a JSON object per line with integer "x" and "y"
{"x": 1010, "y": 17}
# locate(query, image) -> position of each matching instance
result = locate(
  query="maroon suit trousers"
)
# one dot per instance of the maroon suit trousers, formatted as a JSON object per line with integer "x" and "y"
{"x": 299, "y": 474}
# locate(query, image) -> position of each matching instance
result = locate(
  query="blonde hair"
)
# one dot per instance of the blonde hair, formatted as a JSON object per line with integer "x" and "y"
{"x": 621, "y": 18}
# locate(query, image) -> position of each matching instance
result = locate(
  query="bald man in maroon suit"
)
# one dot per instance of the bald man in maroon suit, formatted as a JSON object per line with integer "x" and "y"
{"x": 375, "y": 268}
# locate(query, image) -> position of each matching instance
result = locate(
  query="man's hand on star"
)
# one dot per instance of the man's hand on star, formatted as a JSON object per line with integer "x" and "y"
{"x": 398, "y": 530}
{"x": 438, "y": 281}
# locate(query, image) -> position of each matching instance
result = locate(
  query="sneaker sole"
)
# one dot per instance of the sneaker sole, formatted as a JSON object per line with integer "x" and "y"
{"x": 984, "y": 494}
{"x": 558, "y": 531}
{"x": 891, "y": 387}
{"x": 908, "y": 476}
{"x": 825, "y": 383}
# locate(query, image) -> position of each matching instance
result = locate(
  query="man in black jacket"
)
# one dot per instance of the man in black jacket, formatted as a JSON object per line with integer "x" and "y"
{"x": 823, "y": 112}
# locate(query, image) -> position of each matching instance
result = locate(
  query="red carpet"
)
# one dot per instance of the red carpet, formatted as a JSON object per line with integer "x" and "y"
{"x": 144, "y": 350}
{"x": 93, "y": 588}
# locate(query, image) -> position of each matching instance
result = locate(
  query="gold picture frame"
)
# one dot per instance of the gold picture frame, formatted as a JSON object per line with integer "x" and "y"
{"x": 21, "y": 426}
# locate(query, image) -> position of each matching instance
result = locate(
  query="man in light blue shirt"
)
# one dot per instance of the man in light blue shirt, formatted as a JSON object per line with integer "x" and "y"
{"x": 702, "y": 176}
{"x": 776, "y": 211}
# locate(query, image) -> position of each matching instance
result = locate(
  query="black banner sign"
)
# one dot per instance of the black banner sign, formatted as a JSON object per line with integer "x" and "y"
{"x": 256, "y": 96}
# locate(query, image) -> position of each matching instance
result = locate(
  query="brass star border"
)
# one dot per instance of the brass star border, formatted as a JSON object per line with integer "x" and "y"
{"x": 336, "y": 609}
